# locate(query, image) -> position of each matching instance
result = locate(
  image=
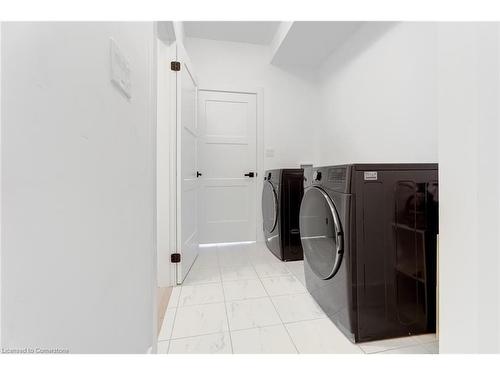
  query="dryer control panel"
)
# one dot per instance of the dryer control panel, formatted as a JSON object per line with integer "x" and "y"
{"x": 337, "y": 175}
{"x": 338, "y": 178}
{"x": 317, "y": 176}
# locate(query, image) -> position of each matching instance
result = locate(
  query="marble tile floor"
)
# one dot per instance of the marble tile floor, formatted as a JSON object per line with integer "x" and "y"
{"x": 241, "y": 299}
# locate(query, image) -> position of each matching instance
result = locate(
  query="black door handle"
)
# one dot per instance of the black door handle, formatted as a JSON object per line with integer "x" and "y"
{"x": 249, "y": 174}
{"x": 198, "y": 174}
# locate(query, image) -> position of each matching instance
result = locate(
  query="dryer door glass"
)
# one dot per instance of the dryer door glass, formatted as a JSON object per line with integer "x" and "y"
{"x": 320, "y": 233}
{"x": 269, "y": 207}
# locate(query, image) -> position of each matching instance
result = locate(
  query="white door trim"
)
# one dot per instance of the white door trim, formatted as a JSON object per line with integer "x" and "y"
{"x": 259, "y": 93}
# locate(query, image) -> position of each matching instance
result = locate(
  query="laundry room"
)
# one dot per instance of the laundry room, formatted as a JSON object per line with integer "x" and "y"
{"x": 307, "y": 162}
{"x": 284, "y": 185}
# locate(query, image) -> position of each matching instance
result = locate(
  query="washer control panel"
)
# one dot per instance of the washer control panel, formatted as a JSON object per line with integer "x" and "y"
{"x": 317, "y": 176}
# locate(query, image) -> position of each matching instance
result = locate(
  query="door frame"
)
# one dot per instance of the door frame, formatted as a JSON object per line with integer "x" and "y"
{"x": 259, "y": 142}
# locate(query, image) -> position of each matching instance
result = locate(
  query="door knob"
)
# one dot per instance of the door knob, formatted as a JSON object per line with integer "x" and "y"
{"x": 198, "y": 174}
{"x": 250, "y": 174}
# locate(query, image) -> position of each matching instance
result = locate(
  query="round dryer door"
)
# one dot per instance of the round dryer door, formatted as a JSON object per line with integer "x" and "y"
{"x": 269, "y": 207}
{"x": 321, "y": 233}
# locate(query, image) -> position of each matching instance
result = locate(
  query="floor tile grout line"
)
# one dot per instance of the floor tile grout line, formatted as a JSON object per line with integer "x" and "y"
{"x": 279, "y": 316}
{"x": 227, "y": 320}
{"x": 175, "y": 313}
{"x": 291, "y": 338}
{"x": 385, "y": 350}
{"x": 260, "y": 277}
{"x": 236, "y": 281}
{"x": 173, "y": 323}
{"x": 221, "y": 283}
{"x": 201, "y": 335}
{"x": 172, "y": 331}
{"x": 240, "y": 300}
{"x": 245, "y": 329}
{"x": 225, "y": 308}
{"x": 283, "y": 323}
{"x": 399, "y": 347}
{"x": 253, "y": 264}
{"x": 205, "y": 303}
{"x": 210, "y": 303}
{"x": 257, "y": 327}
{"x": 274, "y": 277}
{"x": 204, "y": 283}
{"x": 359, "y": 346}
{"x": 227, "y": 331}
{"x": 293, "y": 342}
{"x": 168, "y": 346}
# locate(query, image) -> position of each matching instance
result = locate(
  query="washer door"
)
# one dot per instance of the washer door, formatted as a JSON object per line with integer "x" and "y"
{"x": 321, "y": 233}
{"x": 269, "y": 207}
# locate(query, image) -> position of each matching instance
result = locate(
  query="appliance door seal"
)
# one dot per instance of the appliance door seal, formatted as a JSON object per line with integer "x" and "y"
{"x": 269, "y": 207}
{"x": 321, "y": 233}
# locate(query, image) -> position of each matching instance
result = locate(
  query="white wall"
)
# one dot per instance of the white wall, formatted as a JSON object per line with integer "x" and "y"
{"x": 379, "y": 96}
{"x": 426, "y": 92}
{"x": 1, "y": 186}
{"x": 468, "y": 82}
{"x": 78, "y": 188}
{"x": 290, "y": 100}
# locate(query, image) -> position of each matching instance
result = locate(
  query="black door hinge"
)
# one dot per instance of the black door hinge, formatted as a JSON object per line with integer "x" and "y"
{"x": 175, "y": 258}
{"x": 175, "y": 66}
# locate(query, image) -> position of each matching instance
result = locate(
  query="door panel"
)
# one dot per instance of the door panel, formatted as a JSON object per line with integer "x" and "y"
{"x": 189, "y": 157}
{"x": 221, "y": 113}
{"x": 187, "y": 162}
{"x": 225, "y": 159}
{"x": 225, "y": 203}
{"x": 228, "y": 130}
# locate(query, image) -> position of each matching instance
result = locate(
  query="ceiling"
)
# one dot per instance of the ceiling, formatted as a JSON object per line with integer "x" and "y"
{"x": 309, "y": 43}
{"x": 299, "y": 43}
{"x": 255, "y": 32}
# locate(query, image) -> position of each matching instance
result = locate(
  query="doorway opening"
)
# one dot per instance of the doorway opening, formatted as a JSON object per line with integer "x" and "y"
{"x": 219, "y": 159}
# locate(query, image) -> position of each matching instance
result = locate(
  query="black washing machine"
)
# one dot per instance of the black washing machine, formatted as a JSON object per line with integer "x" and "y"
{"x": 281, "y": 196}
{"x": 369, "y": 238}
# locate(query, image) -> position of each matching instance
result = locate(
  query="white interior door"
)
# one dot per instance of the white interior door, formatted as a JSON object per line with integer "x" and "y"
{"x": 228, "y": 129}
{"x": 187, "y": 168}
